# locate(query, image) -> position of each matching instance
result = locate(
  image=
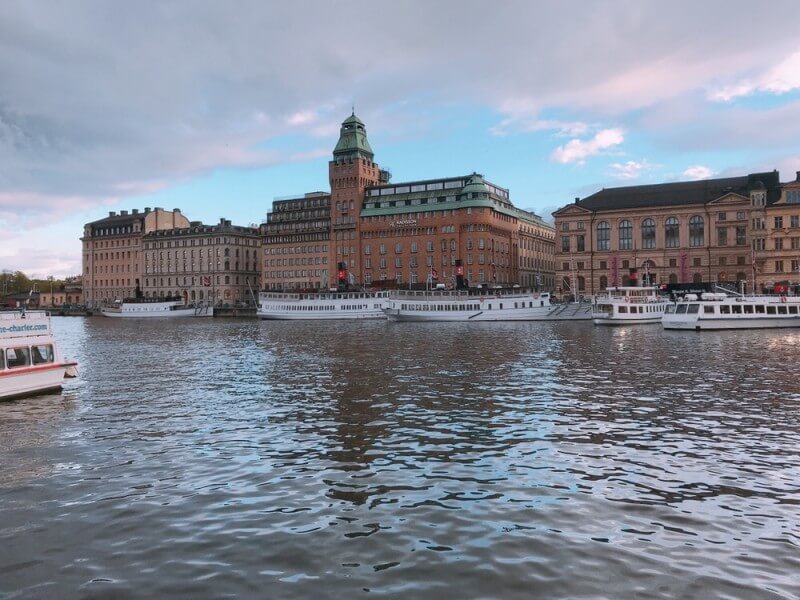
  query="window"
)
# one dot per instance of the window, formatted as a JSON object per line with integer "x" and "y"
{"x": 696, "y": 231}
{"x": 625, "y": 235}
{"x": 398, "y": 248}
{"x": 779, "y": 266}
{"x": 367, "y": 249}
{"x": 565, "y": 226}
{"x": 778, "y": 243}
{"x": 794, "y": 221}
{"x": 565, "y": 243}
{"x": 413, "y": 246}
{"x": 383, "y": 249}
{"x": 722, "y": 216}
{"x": 42, "y": 354}
{"x": 741, "y": 235}
{"x": 581, "y": 243}
{"x": 697, "y": 261}
{"x": 671, "y": 233}
{"x": 793, "y": 197}
{"x": 648, "y": 234}
{"x": 778, "y": 222}
{"x": 603, "y": 236}
{"x": 722, "y": 236}
{"x": 18, "y": 357}
{"x": 398, "y": 262}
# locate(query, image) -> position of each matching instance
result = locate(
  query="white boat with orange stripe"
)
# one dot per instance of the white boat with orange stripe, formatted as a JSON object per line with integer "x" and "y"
{"x": 30, "y": 361}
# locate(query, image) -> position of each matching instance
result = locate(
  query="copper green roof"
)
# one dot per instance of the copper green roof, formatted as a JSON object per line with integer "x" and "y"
{"x": 353, "y": 140}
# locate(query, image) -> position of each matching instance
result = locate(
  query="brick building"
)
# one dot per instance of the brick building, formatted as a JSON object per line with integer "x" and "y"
{"x": 400, "y": 233}
{"x": 112, "y": 251}
{"x": 700, "y": 231}
{"x": 780, "y": 263}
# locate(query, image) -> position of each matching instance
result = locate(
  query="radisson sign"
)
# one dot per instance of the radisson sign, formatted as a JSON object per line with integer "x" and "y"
{"x": 404, "y": 223}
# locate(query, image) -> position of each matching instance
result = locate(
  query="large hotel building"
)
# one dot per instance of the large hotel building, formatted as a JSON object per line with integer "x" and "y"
{"x": 159, "y": 253}
{"x": 731, "y": 230}
{"x": 379, "y": 233}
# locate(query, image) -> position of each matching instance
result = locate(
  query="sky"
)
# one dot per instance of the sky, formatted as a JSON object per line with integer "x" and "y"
{"x": 217, "y": 108}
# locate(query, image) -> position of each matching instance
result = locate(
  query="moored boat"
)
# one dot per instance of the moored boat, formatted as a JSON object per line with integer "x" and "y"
{"x": 321, "y": 306}
{"x": 30, "y": 360}
{"x": 728, "y": 311}
{"x": 147, "y": 308}
{"x": 468, "y": 305}
{"x": 629, "y": 305}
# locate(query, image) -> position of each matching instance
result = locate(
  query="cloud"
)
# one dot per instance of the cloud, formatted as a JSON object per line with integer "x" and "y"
{"x": 630, "y": 169}
{"x": 578, "y": 151}
{"x": 698, "y": 172}
{"x": 528, "y": 125}
{"x": 783, "y": 77}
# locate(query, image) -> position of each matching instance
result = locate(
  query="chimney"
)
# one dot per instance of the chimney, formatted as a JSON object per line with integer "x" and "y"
{"x": 135, "y": 211}
{"x": 798, "y": 176}
{"x": 176, "y": 210}
{"x": 111, "y": 213}
{"x": 146, "y": 209}
{"x": 123, "y": 213}
{"x": 577, "y": 200}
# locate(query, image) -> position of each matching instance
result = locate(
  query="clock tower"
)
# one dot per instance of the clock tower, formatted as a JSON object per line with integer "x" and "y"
{"x": 350, "y": 172}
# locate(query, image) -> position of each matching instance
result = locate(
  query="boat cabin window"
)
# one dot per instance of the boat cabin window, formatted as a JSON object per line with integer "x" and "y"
{"x": 771, "y": 310}
{"x": 748, "y": 309}
{"x": 792, "y": 310}
{"x": 693, "y": 309}
{"x": 18, "y": 357}
{"x": 724, "y": 309}
{"x": 670, "y": 309}
{"x": 623, "y": 309}
{"x": 782, "y": 310}
{"x": 2, "y": 360}
{"x": 760, "y": 309}
{"x": 736, "y": 309}
{"x": 681, "y": 309}
{"x": 42, "y": 354}
{"x": 708, "y": 309}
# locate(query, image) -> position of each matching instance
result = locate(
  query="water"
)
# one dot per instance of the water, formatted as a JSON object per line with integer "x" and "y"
{"x": 214, "y": 458}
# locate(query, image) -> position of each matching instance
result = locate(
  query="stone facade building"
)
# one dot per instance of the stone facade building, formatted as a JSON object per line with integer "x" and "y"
{"x": 686, "y": 232}
{"x": 218, "y": 264}
{"x": 112, "y": 252}
{"x": 780, "y": 263}
{"x": 385, "y": 234}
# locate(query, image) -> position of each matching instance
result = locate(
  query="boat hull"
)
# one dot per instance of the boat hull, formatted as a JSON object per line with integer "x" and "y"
{"x": 310, "y": 316}
{"x": 730, "y": 323}
{"x": 611, "y": 321}
{"x": 18, "y": 383}
{"x": 398, "y": 315}
{"x": 162, "y": 314}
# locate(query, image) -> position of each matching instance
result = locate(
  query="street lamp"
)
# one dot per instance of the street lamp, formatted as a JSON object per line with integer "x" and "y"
{"x": 50, "y": 279}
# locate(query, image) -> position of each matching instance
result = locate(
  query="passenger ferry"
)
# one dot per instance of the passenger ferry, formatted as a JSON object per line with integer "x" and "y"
{"x": 727, "y": 311}
{"x": 145, "y": 308}
{"x": 629, "y": 305}
{"x": 321, "y": 306}
{"x": 468, "y": 305}
{"x": 30, "y": 361}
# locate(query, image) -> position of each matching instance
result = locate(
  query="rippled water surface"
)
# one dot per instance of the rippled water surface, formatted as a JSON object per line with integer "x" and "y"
{"x": 235, "y": 458}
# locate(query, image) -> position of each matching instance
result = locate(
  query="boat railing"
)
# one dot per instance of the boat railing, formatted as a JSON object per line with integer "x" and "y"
{"x": 471, "y": 293}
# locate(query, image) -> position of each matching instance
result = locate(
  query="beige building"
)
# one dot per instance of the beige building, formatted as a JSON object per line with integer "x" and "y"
{"x": 536, "y": 252}
{"x": 70, "y": 292}
{"x": 684, "y": 232}
{"x": 218, "y": 263}
{"x": 112, "y": 252}
{"x": 779, "y": 264}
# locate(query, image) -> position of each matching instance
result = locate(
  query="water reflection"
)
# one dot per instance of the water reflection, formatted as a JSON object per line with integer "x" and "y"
{"x": 305, "y": 459}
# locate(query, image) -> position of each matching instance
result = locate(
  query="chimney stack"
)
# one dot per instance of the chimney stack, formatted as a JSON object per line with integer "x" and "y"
{"x": 111, "y": 213}
{"x": 176, "y": 210}
{"x": 146, "y": 209}
{"x": 123, "y": 213}
{"x": 135, "y": 211}
{"x": 798, "y": 176}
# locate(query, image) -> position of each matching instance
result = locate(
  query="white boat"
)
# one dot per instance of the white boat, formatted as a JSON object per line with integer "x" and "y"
{"x": 160, "y": 308}
{"x": 629, "y": 305}
{"x": 30, "y": 360}
{"x": 321, "y": 306}
{"x": 468, "y": 305}
{"x": 727, "y": 311}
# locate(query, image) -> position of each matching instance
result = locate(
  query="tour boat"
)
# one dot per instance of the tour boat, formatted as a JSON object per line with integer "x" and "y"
{"x": 144, "y": 308}
{"x": 728, "y": 311}
{"x": 30, "y": 361}
{"x": 629, "y": 305}
{"x": 468, "y": 305}
{"x": 321, "y": 306}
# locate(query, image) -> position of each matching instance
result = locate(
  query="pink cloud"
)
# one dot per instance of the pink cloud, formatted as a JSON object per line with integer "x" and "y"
{"x": 578, "y": 151}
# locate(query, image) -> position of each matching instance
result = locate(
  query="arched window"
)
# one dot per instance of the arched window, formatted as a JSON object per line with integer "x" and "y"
{"x": 625, "y": 235}
{"x": 648, "y": 234}
{"x": 444, "y": 245}
{"x": 672, "y": 236}
{"x": 603, "y": 282}
{"x": 696, "y": 231}
{"x": 227, "y": 279}
{"x": 603, "y": 236}
{"x": 452, "y": 245}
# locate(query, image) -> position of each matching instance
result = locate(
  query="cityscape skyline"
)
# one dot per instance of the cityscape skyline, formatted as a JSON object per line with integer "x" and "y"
{"x": 219, "y": 112}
